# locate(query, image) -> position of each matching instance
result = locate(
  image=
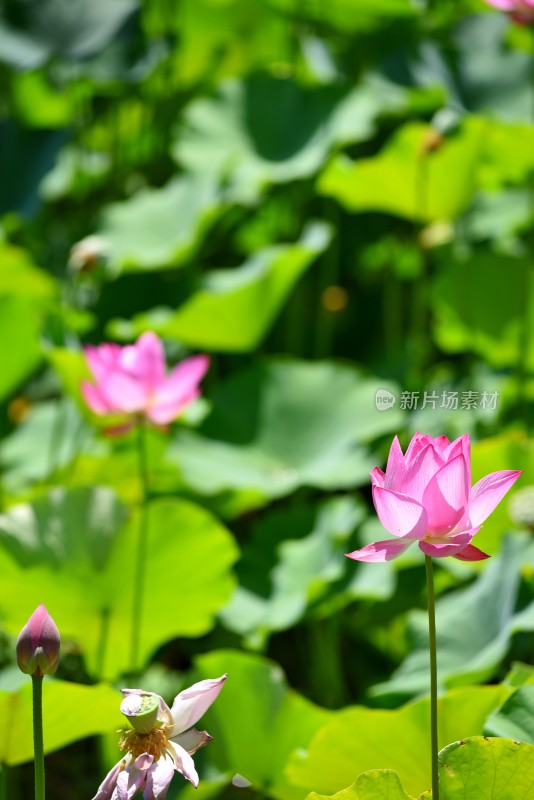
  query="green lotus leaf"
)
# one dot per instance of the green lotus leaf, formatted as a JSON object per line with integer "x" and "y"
{"x": 493, "y": 769}
{"x": 284, "y": 424}
{"x": 75, "y": 540}
{"x": 71, "y": 712}
{"x": 233, "y": 309}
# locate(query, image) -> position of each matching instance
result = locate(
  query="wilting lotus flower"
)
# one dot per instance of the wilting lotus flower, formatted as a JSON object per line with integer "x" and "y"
{"x": 132, "y": 381}
{"x": 160, "y": 741}
{"x": 38, "y": 644}
{"x": 521, "y": 11}
{"x": 425, "y": 496}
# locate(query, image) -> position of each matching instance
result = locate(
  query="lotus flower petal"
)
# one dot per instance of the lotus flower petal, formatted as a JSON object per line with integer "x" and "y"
{"x": 382, "y": 551}
{"x": 445, "y": 497}
{"x": 399, "y": 515}
{"x": 470, "y": 553}
{"x": 131, "y": 381}
{"x": 183, "y": 762}
{"x": 425, "y": 496}
{"x": 158, "y": 779}
{"x": 192, "y": 703}
{"x": 488, "y": 492}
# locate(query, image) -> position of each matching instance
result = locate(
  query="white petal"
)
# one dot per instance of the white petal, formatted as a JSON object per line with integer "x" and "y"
{"x": 190, "y": 704}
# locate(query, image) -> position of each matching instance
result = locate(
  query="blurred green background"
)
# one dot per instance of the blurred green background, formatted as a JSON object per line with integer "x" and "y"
{"x": 334, "y": 200}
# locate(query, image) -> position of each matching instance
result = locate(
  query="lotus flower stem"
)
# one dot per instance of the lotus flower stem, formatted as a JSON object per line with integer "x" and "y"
{"x": 38, "y": 751}
{"x": 4, "y": 782}
{"x": 102, "y": 641}
{"x": 140, "y": 558}
{"x": 433, "y": 676}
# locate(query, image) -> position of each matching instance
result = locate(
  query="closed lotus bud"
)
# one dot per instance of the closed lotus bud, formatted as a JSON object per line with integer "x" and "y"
{"x": 38, "y": 644}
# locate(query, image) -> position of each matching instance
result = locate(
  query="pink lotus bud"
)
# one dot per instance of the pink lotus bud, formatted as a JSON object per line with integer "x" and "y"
{"x": 38, "y": 644}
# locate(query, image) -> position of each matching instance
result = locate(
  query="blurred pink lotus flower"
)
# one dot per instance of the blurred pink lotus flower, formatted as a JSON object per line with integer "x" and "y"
{"x": 425, "y": 496}
{"x": 38, "y": 644}
{"x": 160, "y": 742}
{"x": 132, "y": 381}
{"x": 520, "y": 11}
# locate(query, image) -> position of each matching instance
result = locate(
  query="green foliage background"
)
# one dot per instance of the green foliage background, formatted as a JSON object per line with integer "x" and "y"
{"x": 331, "y": 199}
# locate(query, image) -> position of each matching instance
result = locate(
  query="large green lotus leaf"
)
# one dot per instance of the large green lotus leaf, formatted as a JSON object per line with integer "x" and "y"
{"x": 257, "y": 720}
{"x": 515, "y": 718}
{"x": 492, "y": 769}
{"x": 376, "y": 784}
{"x": 160, "y": 228}
{"x": 480, "y": 318}
{"x": 351, "y": 14}
{"x": 291, "y": 562}
{"x": 360, "y": 739}
{"x": 508, "y": 154}
{"x": 79, "y": 29}
{"x": 233, "y": 309}
{"x": 471, "y": 644}
{"x": 187, "y": 569}
{"x": 47, "y": 438}
{"x": 70, "y": 529}
{"x": 283, "y": 424}
{"x": 20, "y": 276}
{"x": 25, "y": 292}
{"x": 405, "y": 179}
{"x": 20, "y": 326}
{"x": 265, "y": 130}
{"x": 70, "y": 711}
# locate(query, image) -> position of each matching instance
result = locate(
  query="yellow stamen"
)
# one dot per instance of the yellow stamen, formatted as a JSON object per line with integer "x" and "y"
{"x": 154, "y": 742}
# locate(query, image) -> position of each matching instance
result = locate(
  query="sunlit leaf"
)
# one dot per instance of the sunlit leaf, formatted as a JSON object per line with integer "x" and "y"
{"x": 71, "y": 711}
{"x": 493, "y": 769}
{"x": 376, "y": 784}
{"x": 470, "y": 646}
{"x": 225, "y": 39}
{"x": 47, "y": 438}
{"x": 181, "y": 536}
{"x": 160, "y": 228}
{"x": 267, "y": 130}
{"x": 290, "y": 563}
{"x": 285, "y": 424}
{"x": 273, "y": 720}
{"x": 233, "y": 309}
{"x": 515, "y": 718}
{"x": 360, "y": 739}
{"x": 410, "y": 178}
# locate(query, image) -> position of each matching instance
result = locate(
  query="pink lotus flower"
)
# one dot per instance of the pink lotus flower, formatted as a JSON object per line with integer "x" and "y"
{"x": 38, "y": 644}
{"x": 132, "y": 381}
{"x": 521, "y": 11}
{"x": 160, "y": 742}
{"x": 425, "y": 496}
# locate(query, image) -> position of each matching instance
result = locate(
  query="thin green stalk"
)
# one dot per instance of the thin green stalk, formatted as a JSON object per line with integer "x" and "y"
{"x": 433, "y": 676}
{"x": 102, "y": 641}
{"x": 38, "y": 751}
{"x": 4, "y": 785}
{"x": 418, "y": 335}
{"x": 140, "y": 558}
